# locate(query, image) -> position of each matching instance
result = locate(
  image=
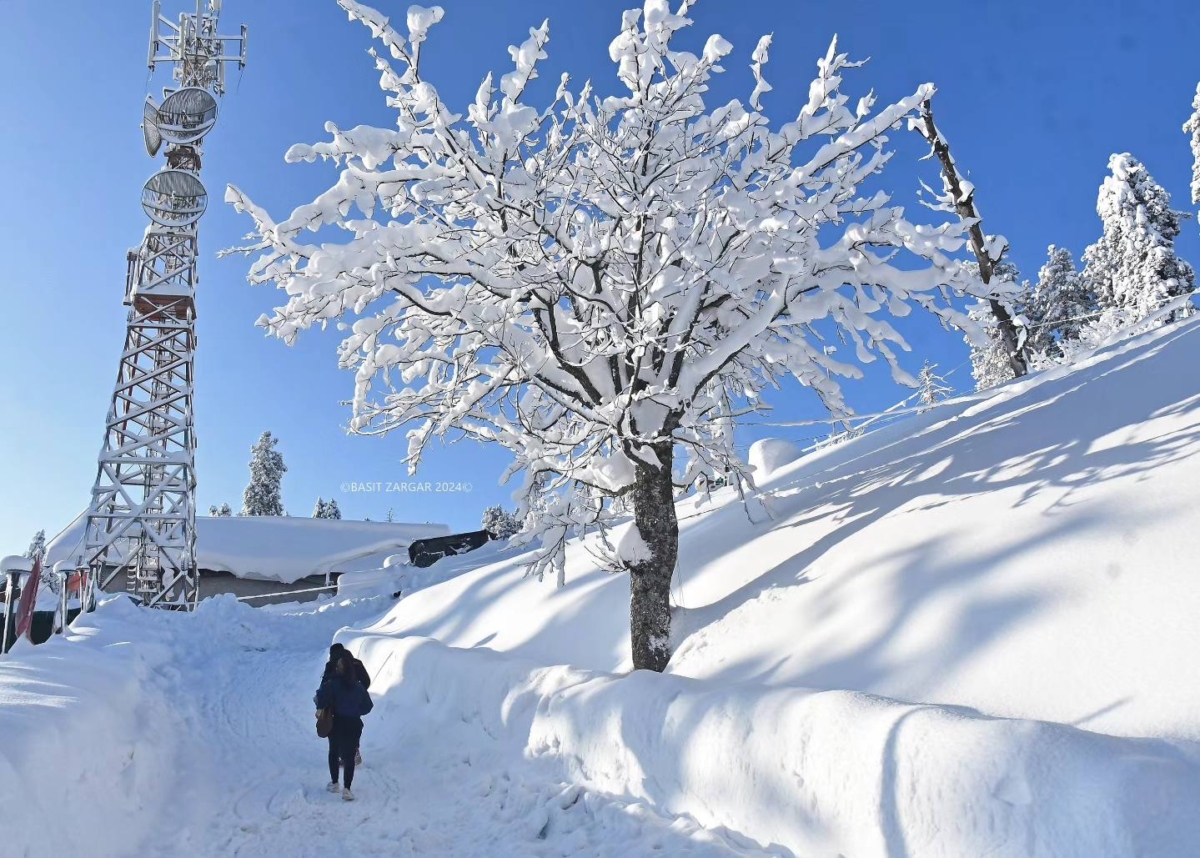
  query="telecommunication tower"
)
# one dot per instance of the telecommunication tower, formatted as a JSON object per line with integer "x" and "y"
{"x": 142, "y": 520}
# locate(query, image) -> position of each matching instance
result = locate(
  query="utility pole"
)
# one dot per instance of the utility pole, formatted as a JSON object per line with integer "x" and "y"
{"x": 142, "y": 520}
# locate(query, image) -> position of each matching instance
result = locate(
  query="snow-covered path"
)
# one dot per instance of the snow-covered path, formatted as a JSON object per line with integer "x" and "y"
{"x": 251, "y": 771}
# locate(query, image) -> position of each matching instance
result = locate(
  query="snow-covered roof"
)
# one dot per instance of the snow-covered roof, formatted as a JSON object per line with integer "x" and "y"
{"x": 284, "y": 549}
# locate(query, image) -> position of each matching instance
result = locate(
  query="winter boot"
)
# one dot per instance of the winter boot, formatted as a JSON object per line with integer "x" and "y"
{"x": 332, "y": 786}
{"x": 347, "y": 795}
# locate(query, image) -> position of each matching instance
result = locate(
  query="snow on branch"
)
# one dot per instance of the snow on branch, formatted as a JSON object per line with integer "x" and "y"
{"x": 597, "y": 282}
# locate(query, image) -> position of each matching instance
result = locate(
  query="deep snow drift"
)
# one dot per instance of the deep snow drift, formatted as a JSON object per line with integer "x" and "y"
{"x": 1016, "y": 565}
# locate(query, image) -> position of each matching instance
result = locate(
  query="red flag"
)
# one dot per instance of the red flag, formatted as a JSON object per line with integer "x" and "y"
{"x": 28, "y": 600}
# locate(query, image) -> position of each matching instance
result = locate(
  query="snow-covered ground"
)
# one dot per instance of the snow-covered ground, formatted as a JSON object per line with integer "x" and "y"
{"x": 967, "y": 634}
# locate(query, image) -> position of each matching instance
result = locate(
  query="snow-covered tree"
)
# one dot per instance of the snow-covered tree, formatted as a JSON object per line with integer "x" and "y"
{"x": 332, "y": 511}
{"x": 37, "y": 546}
{"x": 391, "y": 516}
{"x": 958, "y": 197}
{"x": 319, "y": 509}
{"x": 1192, "y": 126}
{"x": 932, "y": 387}
{"x": 599, "y": 284}
{"x": 1062, "y": 303}
{"x": 262, "y": 495}
{"x": 1133, "y": 267}
{"x": 500, "y": 523}
{"x": 991, "y": 357}
{"x": 223, "y": 512}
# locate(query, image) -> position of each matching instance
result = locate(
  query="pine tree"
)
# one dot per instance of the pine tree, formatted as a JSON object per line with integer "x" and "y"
{"x": 391, "y": 516}
{"x": 1062, "y": 303}
{"x": 225, "y": 511}
{"x": 332, "y": 511}
{"x": 262, "y": 495}
{"x": 1192, "y": 126}
{"x": 1133, "y": 267}
{"x": 933, "y": 388}
{"x": 37, "y": 546}
{"x": 319, "y": 509}
{"x": 500, "y": 523}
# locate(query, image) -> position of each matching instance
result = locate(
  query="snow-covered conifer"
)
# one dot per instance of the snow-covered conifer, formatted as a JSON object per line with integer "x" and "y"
{"x": 588, "y": 281}
{"x": 332, "y": 512}
{"x": 1133, "y": 267}
{"x": 37, "y": 546}
{"x": 319, "y": 509}
{"x": 500, "y": 523}
{"x": 391, "y": 516}
{"x": 262, "y": 495}
{"x": 225, "y": 511}
{"x": 1062, "y": 303}
{"x": 1192, "y": 126}
{"x": 932, "y": 387}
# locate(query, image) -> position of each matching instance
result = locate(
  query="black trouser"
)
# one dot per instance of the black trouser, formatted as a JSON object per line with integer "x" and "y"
{"x": 343, "y": 742}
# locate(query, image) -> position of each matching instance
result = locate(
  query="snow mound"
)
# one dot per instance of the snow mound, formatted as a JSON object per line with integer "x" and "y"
{"x": 816, "y": 773}
{"x": 768, "y": 455}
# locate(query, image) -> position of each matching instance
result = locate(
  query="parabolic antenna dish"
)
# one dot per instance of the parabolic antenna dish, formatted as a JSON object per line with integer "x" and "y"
{"x": 174, "y": 198}
{"x": 187, "y": 115}
{"x": 150, "y": 128}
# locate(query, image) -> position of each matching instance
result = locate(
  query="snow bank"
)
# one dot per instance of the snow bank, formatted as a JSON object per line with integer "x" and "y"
{"x": 768, "y": 455}
{"x": 812, "y": 772}
{"x": 1028, "y": 553}
{"x": 88, "y": 739}
{"x": 283, "y": 549}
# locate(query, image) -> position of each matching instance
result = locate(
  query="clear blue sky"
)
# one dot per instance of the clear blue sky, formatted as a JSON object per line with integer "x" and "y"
{"x": 1034, "y": 97}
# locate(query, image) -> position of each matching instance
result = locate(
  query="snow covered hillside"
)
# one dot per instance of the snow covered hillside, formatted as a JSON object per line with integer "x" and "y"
{"x": 1027, "y": 552}
{"x": 967, "y": 634}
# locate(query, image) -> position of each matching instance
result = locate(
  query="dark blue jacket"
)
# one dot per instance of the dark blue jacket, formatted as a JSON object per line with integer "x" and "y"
{"x": 346, "y": 699}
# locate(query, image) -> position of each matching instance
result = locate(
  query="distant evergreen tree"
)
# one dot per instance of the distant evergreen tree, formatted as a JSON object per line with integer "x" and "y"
{"x": 319, "y": 509}
{"x": 332, "y": 511}
{"x": 500, "y": 523}
{"x": 391, "y": 516}
{"x": 263, "y": 494}
{"x": 1192, "y": 126}
{"x": 37, "y": 546}
{"x": 1062, "y": 304}
{"x": 225, "y": 511}
{"x": 1133, "y": 267}
{"x": 933, "y": 388}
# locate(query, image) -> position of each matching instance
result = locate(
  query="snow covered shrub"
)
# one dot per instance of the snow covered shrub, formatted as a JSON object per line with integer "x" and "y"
{"x": 600, "y": 284}
{"x": 500, "y": 523}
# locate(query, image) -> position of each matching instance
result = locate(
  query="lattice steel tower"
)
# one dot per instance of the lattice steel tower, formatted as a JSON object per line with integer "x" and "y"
{"x": 142, "y": 518}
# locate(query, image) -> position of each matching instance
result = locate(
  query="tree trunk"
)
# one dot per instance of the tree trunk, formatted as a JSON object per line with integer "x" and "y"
{"x": 965, "y": 205}
{"x": 650, "y": 579}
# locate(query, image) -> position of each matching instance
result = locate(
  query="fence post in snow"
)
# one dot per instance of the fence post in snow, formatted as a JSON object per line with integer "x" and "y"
{"x": 10, "y": 590}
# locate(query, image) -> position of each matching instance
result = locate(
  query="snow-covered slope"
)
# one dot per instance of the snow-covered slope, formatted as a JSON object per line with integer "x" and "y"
{"x": 1029, "y": 553}
{"x": 1026, "y": 555}
{"x": 284, "y": 549}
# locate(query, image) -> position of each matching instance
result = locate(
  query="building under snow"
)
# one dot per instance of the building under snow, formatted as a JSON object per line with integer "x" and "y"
{"x": 265, "y": 556}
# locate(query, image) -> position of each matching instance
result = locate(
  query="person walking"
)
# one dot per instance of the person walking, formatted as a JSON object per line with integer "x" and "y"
{"x": 336, "y": 651}
{"x": 345, "y": 696}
